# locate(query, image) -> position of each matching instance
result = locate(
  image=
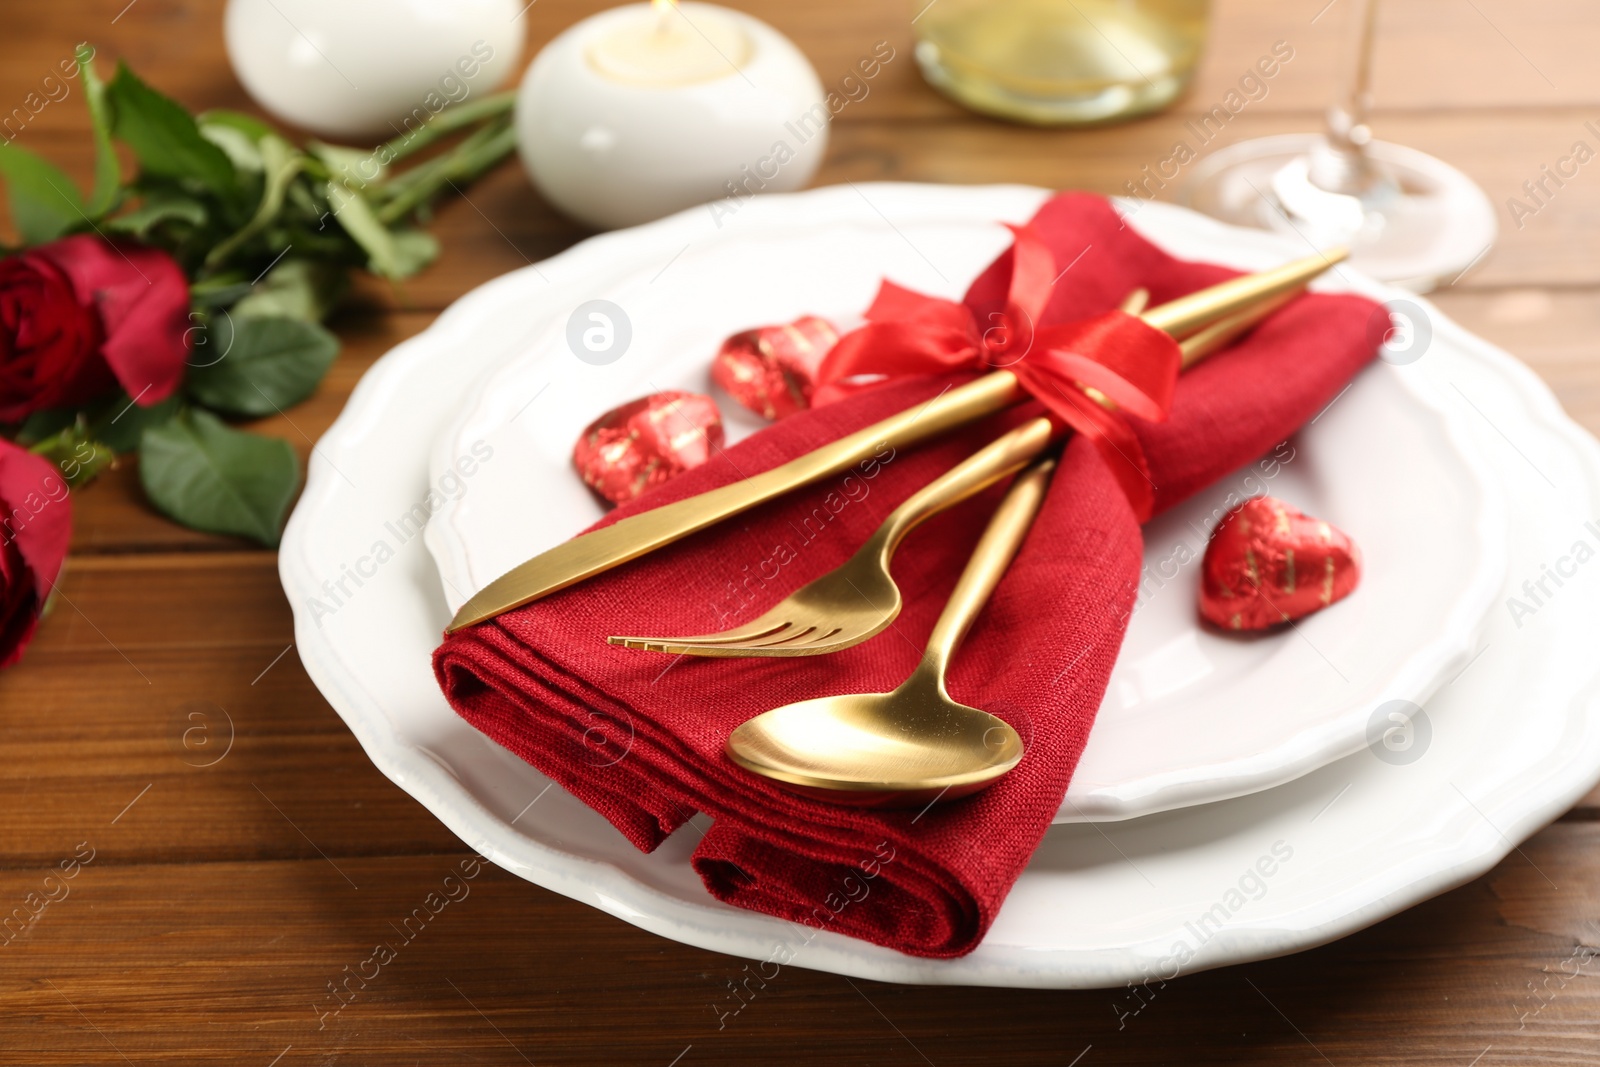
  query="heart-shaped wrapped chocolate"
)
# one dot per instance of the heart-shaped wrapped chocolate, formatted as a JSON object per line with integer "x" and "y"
{"x": 772, "y": 369}
{"x": 1269, "y": 563}
{"x": 647, "y": 441}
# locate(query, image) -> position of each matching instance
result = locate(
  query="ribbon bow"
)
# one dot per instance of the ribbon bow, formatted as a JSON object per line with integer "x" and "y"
{"x": 1090, "y": 373}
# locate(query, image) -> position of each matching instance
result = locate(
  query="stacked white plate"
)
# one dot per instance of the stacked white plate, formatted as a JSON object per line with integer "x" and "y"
{"x": 1248, "y": 797}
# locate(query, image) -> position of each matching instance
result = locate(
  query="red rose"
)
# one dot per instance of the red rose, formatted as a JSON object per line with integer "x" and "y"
{"x": 79, "y": 316}
{"x": 35, "y": 525}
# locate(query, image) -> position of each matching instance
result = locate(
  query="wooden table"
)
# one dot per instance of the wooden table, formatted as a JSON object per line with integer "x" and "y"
{"x": 222, "y": 900}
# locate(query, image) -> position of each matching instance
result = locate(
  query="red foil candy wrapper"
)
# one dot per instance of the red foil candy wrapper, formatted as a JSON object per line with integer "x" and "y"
{"x": 772, "y": 369}
{"x": 647, "y": 441}
{"x": 1269, "y": 563}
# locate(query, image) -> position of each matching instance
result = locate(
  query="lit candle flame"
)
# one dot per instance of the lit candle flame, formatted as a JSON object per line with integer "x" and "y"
{"x": 663, "y": 11}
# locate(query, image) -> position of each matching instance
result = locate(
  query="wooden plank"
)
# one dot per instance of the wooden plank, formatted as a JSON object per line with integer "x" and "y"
{"x": 229, "y": 963}
{"x": 1554, "y": 331}
{"x": 171, "y": 681}
{"x": 1434, "y": 55}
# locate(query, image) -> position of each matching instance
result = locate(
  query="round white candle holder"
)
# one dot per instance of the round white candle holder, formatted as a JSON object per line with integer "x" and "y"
{"x": 370, "y": 68}
{"x": 611, "y": 153}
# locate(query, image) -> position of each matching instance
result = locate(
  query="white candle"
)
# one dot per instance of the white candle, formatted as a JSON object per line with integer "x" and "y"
{"x": 644, "y": 110}
{"x": 662, "y": 48}
{"x": 362, "y": 70}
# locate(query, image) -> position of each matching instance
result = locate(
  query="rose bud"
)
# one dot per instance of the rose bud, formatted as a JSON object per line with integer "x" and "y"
{"x": 772, "y": 369}
{"x": 1269, "y": 563}
{"x": 80, "y": 316}
{"x": 35, "y": 526}
{"x": 647, "y": 441}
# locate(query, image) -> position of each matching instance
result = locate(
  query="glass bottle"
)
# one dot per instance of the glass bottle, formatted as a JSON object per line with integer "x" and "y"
{"x": 1060, "y": 62}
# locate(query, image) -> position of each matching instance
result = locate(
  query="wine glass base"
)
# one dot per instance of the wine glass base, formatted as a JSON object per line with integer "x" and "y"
{"x": 1423, "y": 224}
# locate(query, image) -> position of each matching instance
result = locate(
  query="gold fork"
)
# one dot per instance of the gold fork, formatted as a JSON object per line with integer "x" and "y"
{"x": 859, "y": 599}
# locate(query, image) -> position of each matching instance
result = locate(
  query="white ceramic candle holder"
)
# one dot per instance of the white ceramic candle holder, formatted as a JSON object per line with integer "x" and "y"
{"x": 614, "y": 152}
{"x": 370, "y": 68}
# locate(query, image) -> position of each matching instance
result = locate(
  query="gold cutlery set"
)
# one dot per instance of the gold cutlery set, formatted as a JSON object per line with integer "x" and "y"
{"x": 914, "y": 745}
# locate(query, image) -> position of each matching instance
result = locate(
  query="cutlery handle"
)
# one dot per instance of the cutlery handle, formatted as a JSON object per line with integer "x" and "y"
{"x": 1004, "y": 455}
{"x": 1187, "y": 314}
{"x": 988, "y": 564}
{"x": 600, "y": 550}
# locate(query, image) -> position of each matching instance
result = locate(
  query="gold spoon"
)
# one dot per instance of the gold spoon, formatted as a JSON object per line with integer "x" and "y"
{"x": 914, "y": 745}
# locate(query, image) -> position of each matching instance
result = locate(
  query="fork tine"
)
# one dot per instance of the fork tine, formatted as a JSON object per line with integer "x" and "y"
{"x": 774, "y": 640}
{"x": 754, "y": 631}
{"x": 816, "y": 638}
{"x": 831, "y": 643}
{"x": 803, "y": 637}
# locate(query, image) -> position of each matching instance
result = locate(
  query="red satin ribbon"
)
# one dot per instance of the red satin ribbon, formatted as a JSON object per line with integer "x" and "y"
{"x": 1133, "y": 365}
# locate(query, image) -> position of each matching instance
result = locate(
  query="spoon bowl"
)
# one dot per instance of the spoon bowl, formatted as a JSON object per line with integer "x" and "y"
{"x": 907, "y": 747}
{"x": 914, "y": 745}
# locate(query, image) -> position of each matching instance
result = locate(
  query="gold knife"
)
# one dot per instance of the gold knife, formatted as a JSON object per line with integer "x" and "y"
{"x": 599, "y": 550}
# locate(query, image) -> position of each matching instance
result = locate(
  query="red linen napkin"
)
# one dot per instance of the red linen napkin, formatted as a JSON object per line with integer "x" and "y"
{"x": 638, "y": 736}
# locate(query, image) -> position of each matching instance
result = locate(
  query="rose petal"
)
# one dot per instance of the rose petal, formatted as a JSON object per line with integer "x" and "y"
{"x": 143, "y": 301}
{"x": 35, "y": 529}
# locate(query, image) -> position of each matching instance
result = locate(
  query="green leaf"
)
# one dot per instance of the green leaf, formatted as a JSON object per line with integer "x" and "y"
{"x": 44, "y": 202}
{"x": 165, "y": 137}
{"x": 219, "y": 290}
{"x": 394, "y": 254}
{"x": 280, "y": 162}
{"x": 414, "y": 249}
{"x": 267, "y": 364}
{"x": 157, "y": 209}
{"x": 122, "y": 423}
{"x": 384, "y": 254}
{"x": 296, "y": 289}
{"x": 239, "y": 146}
{"x": 303, "y": 197}
{"x": 207, "y": 476}
{"x": 349, "y": 164}
{"x": 107, "y": 171}
{"x": 249, "y": 125}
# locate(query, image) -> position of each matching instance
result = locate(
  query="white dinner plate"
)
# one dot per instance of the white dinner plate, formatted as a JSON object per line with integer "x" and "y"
{"x": 1191, "y": 715}
{"x": 1496, "y": 753}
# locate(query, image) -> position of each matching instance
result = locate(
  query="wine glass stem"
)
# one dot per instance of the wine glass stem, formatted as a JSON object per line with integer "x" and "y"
{"x": 1348, "y": 117}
